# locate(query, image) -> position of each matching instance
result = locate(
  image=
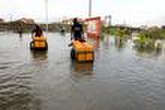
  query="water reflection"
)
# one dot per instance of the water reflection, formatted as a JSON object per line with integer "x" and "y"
{"x": 148, "y": 52}
{"x": 106, "y": 42}
{"x": 63, "y": 34}
{"x": 95, "y": 42}
{"x": 140, "y": 50}
{"x": 119, "y": 42}
{"x": 21, "y": 37}
{"x": 155, "y": 50}
{"x": 39, "y": 55}
{"x": 33, "y": 83}
{"x": 82, "y": 67}
{"x": 19, "y": 99}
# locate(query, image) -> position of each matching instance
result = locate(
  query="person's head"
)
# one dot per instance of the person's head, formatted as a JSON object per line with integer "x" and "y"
{"x": 37, "y": 26}
{"x": 75, "y": 20}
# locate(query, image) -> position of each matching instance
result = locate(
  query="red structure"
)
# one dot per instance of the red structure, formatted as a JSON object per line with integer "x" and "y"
{"x": 94, "y": 27}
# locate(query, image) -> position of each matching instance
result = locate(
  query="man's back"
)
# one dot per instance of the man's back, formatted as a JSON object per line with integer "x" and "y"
{"x": 38, "y": 31}
{"x": 77, "y": 30}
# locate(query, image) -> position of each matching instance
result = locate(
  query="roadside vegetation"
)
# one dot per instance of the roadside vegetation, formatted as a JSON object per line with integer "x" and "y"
{"x": 147, "y": 38}
{"x": 117, "y": 31}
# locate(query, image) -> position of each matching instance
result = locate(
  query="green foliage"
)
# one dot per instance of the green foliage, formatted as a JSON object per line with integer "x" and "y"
{"x": 148, "y": 37}
{"x": 120, "y": 32}
{"x": 106, "y": 30}
{"x": 144, "y": 41}
{"x": 153, "y": 33}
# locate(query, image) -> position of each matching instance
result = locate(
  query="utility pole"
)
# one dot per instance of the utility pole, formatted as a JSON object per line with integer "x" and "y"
{"x": 10, "y": 17}
{"x": 10, "y": 22}
{"x": 90, "y": 8}
{"x": 108, "y": 20}
{"x": 46, "y": 14}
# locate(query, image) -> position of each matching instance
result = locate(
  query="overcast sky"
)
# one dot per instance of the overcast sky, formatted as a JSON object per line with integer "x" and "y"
{"x": 132, "y": 12}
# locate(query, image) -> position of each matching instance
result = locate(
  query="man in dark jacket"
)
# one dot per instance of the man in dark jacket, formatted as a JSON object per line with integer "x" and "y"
{"x": 77, "y": 30}
{"x": 38, "y": 31}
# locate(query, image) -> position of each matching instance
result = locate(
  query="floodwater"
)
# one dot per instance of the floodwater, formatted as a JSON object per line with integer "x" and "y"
{"x": 121, "y": 78}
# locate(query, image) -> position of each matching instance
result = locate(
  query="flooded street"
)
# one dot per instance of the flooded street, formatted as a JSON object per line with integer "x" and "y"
{"x": 121, "y": 78}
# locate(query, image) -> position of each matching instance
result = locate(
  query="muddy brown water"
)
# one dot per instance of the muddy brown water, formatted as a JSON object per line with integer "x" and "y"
{"x": 121, "y": 78}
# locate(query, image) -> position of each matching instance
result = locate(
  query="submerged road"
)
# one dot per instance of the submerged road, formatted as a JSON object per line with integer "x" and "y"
{"x": 121, "y": 78}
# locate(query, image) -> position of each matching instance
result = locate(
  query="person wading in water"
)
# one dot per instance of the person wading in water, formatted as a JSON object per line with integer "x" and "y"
{"x": 77, "y": 32}
{"x": 37, "y": 31}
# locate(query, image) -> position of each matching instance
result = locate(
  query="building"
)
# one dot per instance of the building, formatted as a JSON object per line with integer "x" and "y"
{"x": 2, "y": 20}
{"x": 67, "y": 21}
{"x": 163, "y": 27}
{"x": 27, "y": 20}
{"x": 144, "y": 27}
{"x": 70, "y": 21}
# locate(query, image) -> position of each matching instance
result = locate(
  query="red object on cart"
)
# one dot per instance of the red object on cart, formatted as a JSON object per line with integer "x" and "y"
{"x": 94, "y": 27}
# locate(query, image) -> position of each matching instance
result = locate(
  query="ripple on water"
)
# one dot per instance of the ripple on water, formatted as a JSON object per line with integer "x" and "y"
{"x": 119, "y": 79}
{"x": 16, "y": 88}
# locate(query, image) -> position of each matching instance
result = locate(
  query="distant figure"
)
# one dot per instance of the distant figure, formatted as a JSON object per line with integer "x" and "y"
{"x": 38, "y": 31}
{"x": 77, "y": 30}
{"x": 20, "y": 33}
{"x": 62, "y": 30}
{"x": 20, "y": 30}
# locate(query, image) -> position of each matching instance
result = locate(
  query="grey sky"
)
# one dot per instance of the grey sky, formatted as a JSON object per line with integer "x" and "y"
{"x": 132, "y": 12}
